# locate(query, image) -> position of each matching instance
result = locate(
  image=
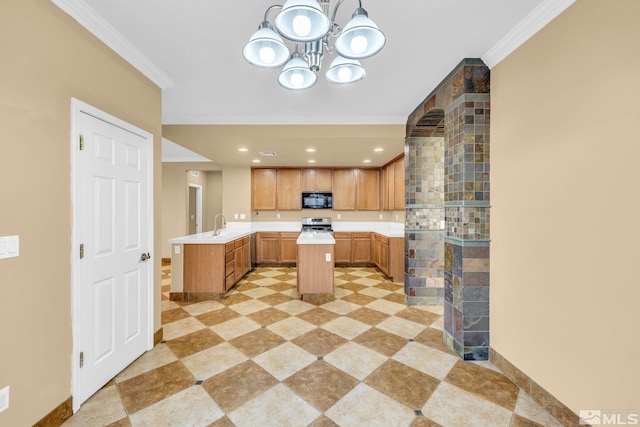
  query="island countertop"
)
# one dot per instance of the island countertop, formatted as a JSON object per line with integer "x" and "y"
{"x": 316, "y": 238}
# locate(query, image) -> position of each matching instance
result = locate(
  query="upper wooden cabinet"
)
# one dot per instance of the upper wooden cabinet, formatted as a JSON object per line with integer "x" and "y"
{"x": 398, "y": 192}
{"x": 368, "y": 190}
{"x": 263, "y": 189}
{"x": 316, "y": 179}
{"x": 344, "y": 189}
{"x": 289, "y": 190}
{"x": 393, "y": 186}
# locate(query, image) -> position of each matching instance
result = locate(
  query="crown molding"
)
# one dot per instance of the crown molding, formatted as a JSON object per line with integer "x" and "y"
{"x": 534, "y": 22}
{"x": 205, "y": 119}
{"x": 99, "y": 27}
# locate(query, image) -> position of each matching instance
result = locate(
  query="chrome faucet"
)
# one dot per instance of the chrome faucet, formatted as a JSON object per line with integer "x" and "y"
{"x": 216, "y": 230}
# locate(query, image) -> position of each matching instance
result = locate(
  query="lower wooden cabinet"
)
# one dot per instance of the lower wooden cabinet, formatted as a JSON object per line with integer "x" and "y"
{"x": 342, "y": 247}
{"x": 388, "y": 256}
{"x": 276, "y": 248}
{"x": 353, "y": 248}
{"x": 216, "y": 268}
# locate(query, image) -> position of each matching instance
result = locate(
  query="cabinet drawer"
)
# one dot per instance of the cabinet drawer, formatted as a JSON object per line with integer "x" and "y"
{"x": 237, "y": 243}
{"x": 229, "y": 257}
{"x": 288, "y": 235}
{"x": 246, "y": 240}
{"x": 342, "y": 235}
{"x": 269, "y": 235}
{"x": 229, "y": 281}
{"x": 230, "y": 269}
{"x": 362, "y": 235}
{"x": 229, "y": 247}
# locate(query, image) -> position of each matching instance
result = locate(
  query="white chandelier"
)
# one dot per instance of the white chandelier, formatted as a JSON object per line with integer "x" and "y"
{"x": 307, "y": 22}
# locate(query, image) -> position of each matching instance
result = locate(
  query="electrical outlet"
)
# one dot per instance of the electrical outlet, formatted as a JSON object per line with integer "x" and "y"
{"x": 327, "y": 257}
{"x": 277, "y": 216}
{"x": 243, "y": 216}
{"x": 4, "y": 399}
{"x": 339, "y": 216}
{"x": 380, "y": 216}
{"x": 397, "y": 217}
{"x": 176, "y": 249}
{"x": 235, "y": 216}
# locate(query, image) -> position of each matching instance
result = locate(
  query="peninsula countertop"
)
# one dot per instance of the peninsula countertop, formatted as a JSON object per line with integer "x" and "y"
{"x": 237, "y": 230}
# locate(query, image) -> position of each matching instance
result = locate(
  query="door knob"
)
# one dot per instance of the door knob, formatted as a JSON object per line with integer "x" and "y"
{"x": 145, "y": 256}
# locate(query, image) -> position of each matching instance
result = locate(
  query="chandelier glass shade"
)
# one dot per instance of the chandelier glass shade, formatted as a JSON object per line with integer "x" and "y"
{"x": 307, "y": 23}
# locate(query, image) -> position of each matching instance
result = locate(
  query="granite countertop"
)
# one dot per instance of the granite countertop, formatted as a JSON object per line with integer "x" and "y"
{"x": 236, "y": 230}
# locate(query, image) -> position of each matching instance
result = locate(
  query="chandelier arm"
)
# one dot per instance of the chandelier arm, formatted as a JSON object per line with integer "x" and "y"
{"x": 335, "y": 9}
{"x": 266, "y": 13}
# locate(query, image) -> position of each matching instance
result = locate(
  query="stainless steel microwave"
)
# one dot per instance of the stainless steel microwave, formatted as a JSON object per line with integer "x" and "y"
{"x": 317, "y": 200}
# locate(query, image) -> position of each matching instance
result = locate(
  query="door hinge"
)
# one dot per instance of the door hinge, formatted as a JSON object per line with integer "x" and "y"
{"x": 81, "y": 142}
{"x": 81, "y": 250}
{"x": 81, "y": 359}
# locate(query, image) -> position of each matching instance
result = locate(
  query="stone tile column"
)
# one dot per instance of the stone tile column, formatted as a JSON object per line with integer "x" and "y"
{"x": 460, "y": 109}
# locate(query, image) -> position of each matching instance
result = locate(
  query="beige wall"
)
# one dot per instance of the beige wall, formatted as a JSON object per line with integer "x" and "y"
{"x": 175, "y": 192}
{"x": 47, "y": 59}
{"x": 564, "y": 290}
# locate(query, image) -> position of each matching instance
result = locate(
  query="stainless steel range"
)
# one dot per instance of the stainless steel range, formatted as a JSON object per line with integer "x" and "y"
{"x": 318, "y": 224}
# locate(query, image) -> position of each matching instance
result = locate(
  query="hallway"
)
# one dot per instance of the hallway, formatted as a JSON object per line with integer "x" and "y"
{"x": 262, "y": 357}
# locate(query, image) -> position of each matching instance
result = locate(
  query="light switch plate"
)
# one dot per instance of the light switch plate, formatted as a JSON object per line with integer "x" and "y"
{"x": 9, "y": 246}
{"x": 4, "y": 399}
{"x": 243, "y": 216}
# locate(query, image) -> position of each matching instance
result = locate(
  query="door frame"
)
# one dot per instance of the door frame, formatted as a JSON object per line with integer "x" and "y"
{"x": 77, "y": 108}
{"x": 198, "y": 188}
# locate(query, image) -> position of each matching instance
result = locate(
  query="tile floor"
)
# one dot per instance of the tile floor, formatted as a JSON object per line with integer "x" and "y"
{"x": 262, "y": 357}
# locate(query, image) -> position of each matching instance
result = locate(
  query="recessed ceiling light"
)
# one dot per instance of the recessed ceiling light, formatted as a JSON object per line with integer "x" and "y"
{"x": 378, "y": 149}
{"x": 244, "y": 150}
{"x": 311, "y": 161}
{"x": 311, "y": 150}
{"x": 366, "y": 161}
{"x": 255, "y": 161}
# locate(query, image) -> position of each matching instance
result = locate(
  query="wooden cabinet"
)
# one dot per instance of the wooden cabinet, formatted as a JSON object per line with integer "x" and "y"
{"x": 356, "y": 189}
{"x": 368, "y": 190}
{"x": 288, "y": 248}
{"x": 343, "y": 247}
{"x": 215, "y": 268}
{"x": 353, "y": 248}
{"x": 344, "y": 189}
{"x": 267, "y": 248}
{"x": 393, "y": 185}
{"x": 264, "y": 189}
{"x": 316, "y": 179}
{"x": 381, "y": 253}
{"x": 289, "y": 184}
{"x": 315, "y": 270}
{"x": 361, "y": 248}
{"x": 398, "y": 192}
{"x": 276, "y": 248}
{"x": 388, "y": 256}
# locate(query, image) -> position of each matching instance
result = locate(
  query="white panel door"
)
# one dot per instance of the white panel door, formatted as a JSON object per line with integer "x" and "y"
{"x": 114, "y": 276}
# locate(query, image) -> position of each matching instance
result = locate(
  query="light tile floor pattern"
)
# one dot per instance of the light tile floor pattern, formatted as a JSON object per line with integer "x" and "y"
{"x": 262, "y": 357}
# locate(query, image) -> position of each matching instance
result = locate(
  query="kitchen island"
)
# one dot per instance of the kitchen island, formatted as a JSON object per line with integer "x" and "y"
{"x": 315, "y": 265}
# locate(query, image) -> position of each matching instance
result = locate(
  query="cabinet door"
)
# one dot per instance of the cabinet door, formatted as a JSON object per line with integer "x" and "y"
{"x": 361, "y": 248}
{"x": 398, "y": 182}
{"x": 289, "y": 189}
{"x": 323, "y": 180}
{"x": 238, "y": 264}
{"x": 368, "y": 194}
{"x": 204, "y": 267}
{"x": 246, "y": 255}
{"x": 344, "y": 189}
{"x": 267, "y": 248}
{"x": 343, "y": 247}
{"x": 288, "y": 247}
{"x": 309, "y": 179}
{"x": 384, "y": 258}
{"x": 263, "y": 189}
{"x": 389, "y": 187}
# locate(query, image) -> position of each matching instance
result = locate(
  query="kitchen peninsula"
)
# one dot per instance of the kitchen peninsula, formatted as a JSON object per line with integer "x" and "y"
{"x": 206, "y": 267}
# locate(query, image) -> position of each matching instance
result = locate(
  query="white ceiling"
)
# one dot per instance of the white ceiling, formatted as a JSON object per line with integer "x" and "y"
{"x": 192, "y": 49}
